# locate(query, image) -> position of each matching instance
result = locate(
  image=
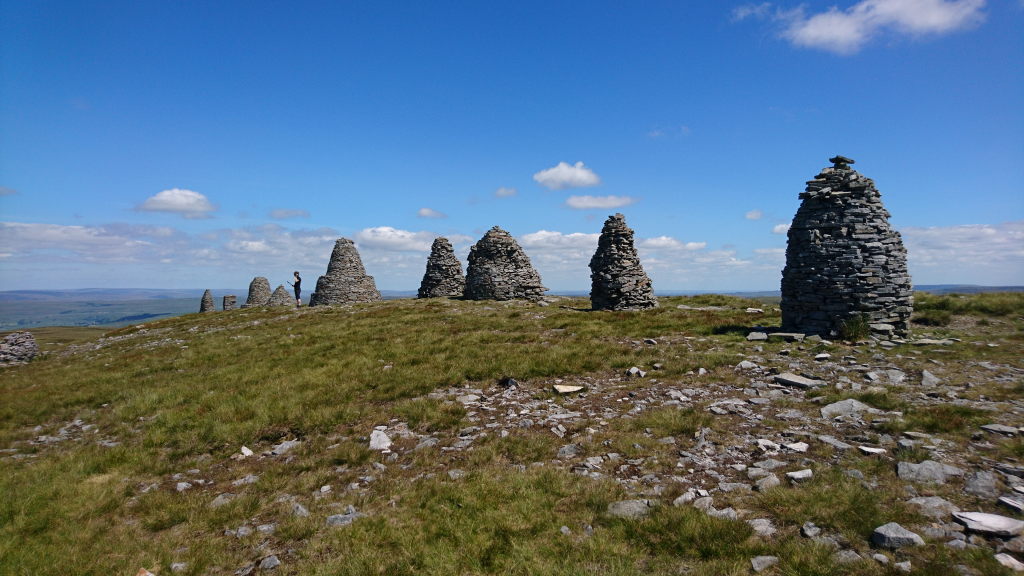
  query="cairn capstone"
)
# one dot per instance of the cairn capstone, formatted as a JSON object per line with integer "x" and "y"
{"x": 281, "y": 297}
{"x": 18, "y": 348}
{"x": 346, "y": 280}
{"x": 444, "y": 272}
{"x": 500, "y": 270}
{"x": 617, "y": 279}
{"x": 230, "y": 302}
{"x": 206, "y": 304}
{"x": 844, "y": 262}
{"x": 259, "y": 292}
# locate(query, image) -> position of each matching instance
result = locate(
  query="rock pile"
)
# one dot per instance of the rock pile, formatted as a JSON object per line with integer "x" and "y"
{"x": 617, "y": 280}
{"x": 500, "y": 270}
{"x": 18, "y": 348}
{"x": 444, "y": 272}
{"x": 844, "y": 263}
{"x": 259, "y": 292}
{"x": 206, "y": 304}
{"x": 346, "y": 280}
{"x": 281, "y": 297}
{"x": 230, "y": 302}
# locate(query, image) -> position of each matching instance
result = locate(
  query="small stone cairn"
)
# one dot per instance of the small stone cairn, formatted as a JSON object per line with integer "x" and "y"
{"x": 206, "y": 304}
{"x": 18, "y": 348}
{"x": 230, "y": 302}
{"x": 500, "y": 270}
{"x": 444, "y": 272}
{"x": 346, "y": 280}
{"x": 617, "y": 279}
{"x": 259, "y": 292}
{"x": 281, "y": 297}
{"x": 843, "y": 260}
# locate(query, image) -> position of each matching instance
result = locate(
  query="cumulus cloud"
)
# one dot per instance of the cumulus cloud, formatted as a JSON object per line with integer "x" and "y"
{"x": 754, "y": 215}
{"x": 987, "y": 254}
{"x": 564, "y": 176}
{"x": 780, "y": 228}
{"x": 504, "y": 192}
{"x": 185, "y": 203}
{"x": 387, "y": 238}
{"x": 668, "y": 243}
{"x": 430, "y": 213}
{"x": 286, "y": 214}
{"x": 598, "y": 202}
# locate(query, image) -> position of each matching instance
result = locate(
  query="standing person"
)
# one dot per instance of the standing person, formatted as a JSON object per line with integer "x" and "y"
{"x": 298, "y": 289}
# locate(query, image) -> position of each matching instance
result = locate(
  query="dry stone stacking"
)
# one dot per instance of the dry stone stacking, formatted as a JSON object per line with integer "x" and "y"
{"x": 843, "y": 260}
{"x": 206, "y": 304}
{"x": 500, "y": 270}
{"x": 230, "y": 302}
{"x": 259, "y": 292}
{"x": 617, "y": 279}
{"x": 444, "y": 272}
{"x": 346, "y": 280}
{"x": 281, "y": 297}
{"x": 18, "y": 348}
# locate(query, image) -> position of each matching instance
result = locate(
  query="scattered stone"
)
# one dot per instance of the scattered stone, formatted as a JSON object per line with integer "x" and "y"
{"x": 246, "y": 451}
{"x": 636, "y": 372}
{"x": 1011, "y": 503}
{"x": 259, "y": 293}
{"x": 762, "y": 527}
{"x": 790, "y": 379}
{"x": 810, "y": 530}
{"x": 247, "y": 479}
{"x": 338, "y": 520}
{"x": 747, "y": 365}
{"x": 379, "y": 440}
{"x": 800, "y": 475}
{"x": 1010, "y": 562}
{"x": 567, "y": 389}
{"x": 1000, "y": 429}
{"x": 443, "y": 277}
{"x": 846, "y": 557}
{"x": 762, "y": 563}
{"x": 929, "y": 380}
{"x": 871, "y": 450}
{"x": 767, "y": 483}
{"x": 182, "y": 486}
{"x": 983, "y": 484}
{"x": 206, "y": 304}
{"x": 18, "y": 348}
{"x": 299, "y": 510}
{"x": 630, "y": 508}
{"x": 500, "y": 270}
{"x": 269, "y": 563}
{"x": 569, "y": 451}
{"x": 222, "y": 499}
{"x": 456, "y": 474}
{"x": 845, "y": 408}
{"x": 346, "y": 280}
{"x": 934, "y": 507}
{"x": 989, "y": 524}
{"x": 822, "y": 357}
{"x": 618, "y": 280}
{"x": 893, "y": 536}
{"x": 757, "y": 336}
{"x": 179, "y": 566}
{"x": 928, "y": 471}
{"x": 799, "y": 447}
{"x": 467, "y": 398}
{"x": 284, "y": 447}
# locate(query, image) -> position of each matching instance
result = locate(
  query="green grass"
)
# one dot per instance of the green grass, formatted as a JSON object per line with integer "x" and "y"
{"x": 985, "y": 304}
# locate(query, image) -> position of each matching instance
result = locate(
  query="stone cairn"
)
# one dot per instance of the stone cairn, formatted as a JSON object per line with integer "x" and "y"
{"x": 346, "y": 280}
{"x": 18, "y": 348}
{"x": 843, "y": 260}
{"x": 281, "y": 297}
{"x": 444, "y": 272}
{"x": 230, "y": 302}
{"x": 617, "y": 279}
{"x": 259, "y": 292}
{"x": 206, "y": 304}
{"x": 500, "y": 270}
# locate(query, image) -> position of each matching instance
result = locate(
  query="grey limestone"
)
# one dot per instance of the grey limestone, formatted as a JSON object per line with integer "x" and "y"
{"x": 230, "y": 302}
{"x": 617, "y": 279}
{"x": 18, "y": 348}
{"x": 281, "y": 297}
{"x": 206, "y": 304}
{"x": 444, "y": 272}
{"x": 259, "y": 292}
{"x": 346, "y": 280}
{"x": 500, "y": 270}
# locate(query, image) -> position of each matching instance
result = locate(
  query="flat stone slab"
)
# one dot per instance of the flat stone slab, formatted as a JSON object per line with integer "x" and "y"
{"x": 630, "y": 508}
{"x": 928, "y": 471}
{"x": 567, "y": 389}
{"x": 757, "y": 336}
{"x": 834, "y": 442}
{"x": 1001, "y": 429}
{"x": 993, "y": 524}
{"x": 845, "y": 408}
{"x": 787, "y": 336}
{"x": 934, "y": 506}
{"x": 790, "y": 379}
{"x": 894, "y": 536}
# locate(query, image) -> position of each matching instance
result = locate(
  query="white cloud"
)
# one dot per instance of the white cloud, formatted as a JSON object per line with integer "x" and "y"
{"x": 780, "y": 228}
{"x": 987, "y": 254}
{"x": 754, "y": 215}
{"x": 286, "y": 214}
{"x": 504, "y": 192}
{"x": 49, "y": 243}
{"x": 386, "y": 238}
{"x": 751, "y": 10}
{"x": 430, "y": 213}
{"x": 598, "y": 202}
{"x": 565, "y": 176}
{"x": 668, "y": 243}
{"x": 669, "y": 132}
{"x": 544, "y": 239}
{"x": 185, "y": 203}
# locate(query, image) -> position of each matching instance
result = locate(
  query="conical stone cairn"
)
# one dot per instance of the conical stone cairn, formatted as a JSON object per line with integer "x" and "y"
{"x": 845, "y": 265}
{"x": 206, "y": 304}
{"x": 259, "y": 292}
{"x": 617, "y": 279}
{"x": 444, "y": 272}
{"x": 281, "y": 297}
{"x": 346, "y": 280}
{"x": 500, "y": 270}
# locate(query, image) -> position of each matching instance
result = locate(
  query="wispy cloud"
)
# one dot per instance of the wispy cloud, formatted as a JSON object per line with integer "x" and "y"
{"x": 780, "y": 228}
{"x": 663, "y": 132}
{"x": 989, "y": 254}
{"x": 504, "y": 192}
{"x": 751, "y": 11}
{"x": 598, "y": 202}
{"x": 563, "y": 176}
{"x": 185, "y": 203}
{"x": 393, "y": 239}
{"x": 754, "y": 215}
{"x": 430, "y": 213}
{"x": 5, "y": 191}
{"x": 286, "y": 214}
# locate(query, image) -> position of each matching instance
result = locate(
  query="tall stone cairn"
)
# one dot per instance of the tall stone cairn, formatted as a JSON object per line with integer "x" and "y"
{"x": 259, "y": 292}
{"x": 206, "y": 304}
{"x": 230, "y": 302}
{"x": 346, "y": 280}
{"x": 617, "y": 279}
{"x": 843, "y": 260}
{"x": 18, "y": 348}
{"x": 500, "y": 270}
{"x": 281, "y": 297}
{"x": 444, "y": 272}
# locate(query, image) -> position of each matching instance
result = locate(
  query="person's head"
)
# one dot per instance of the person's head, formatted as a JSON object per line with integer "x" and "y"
{"x": 296, "y": 273}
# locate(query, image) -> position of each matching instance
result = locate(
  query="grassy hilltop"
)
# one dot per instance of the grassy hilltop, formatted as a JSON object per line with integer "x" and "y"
{"x": 124, "y": 451}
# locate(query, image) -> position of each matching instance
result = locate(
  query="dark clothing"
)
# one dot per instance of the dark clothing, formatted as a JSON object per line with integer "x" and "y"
{"x": 298, "y": 288}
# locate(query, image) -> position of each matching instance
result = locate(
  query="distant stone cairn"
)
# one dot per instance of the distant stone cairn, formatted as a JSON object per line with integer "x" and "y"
{"x": 346, "y": 280}
{"x": 259, "y": 292}
{"x": 500, "y": 270}
{"x": 206, "y": 304}
{"x": 444, "y": 272}
{"x": 844, "y": 263}
{"x": 230, "y": 302}
{"x": 18, "y": 348}
{"x": 617, "y": 279}
{"x": 281, "y": 297}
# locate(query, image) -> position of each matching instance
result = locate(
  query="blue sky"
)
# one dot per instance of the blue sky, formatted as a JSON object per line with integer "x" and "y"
{"x": 199, "y": 144}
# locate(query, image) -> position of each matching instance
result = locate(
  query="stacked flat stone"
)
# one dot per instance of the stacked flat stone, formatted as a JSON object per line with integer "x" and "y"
{"x": 18, "y": 348}
{"x": 259, "y": 292}
{"x": 230, "y": 302}
{"x": 206, "y": 304}
{"x": 444, "y": 272}
{"x": 843, "y": 260}
{"x": 281, "y": 297}
{"x": 346, "y": 280}
{"x": 617, "y": 279}
{"x": 500, "y": 270}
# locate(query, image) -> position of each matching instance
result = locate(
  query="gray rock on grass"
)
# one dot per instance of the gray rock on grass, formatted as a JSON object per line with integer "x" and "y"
{"x": 894, "y": 536}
